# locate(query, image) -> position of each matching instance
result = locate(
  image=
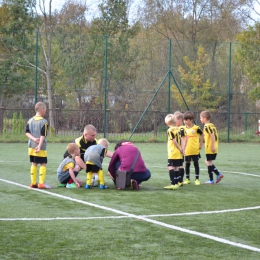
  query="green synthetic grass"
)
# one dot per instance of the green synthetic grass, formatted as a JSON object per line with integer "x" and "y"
{"x": 110, "y": 224}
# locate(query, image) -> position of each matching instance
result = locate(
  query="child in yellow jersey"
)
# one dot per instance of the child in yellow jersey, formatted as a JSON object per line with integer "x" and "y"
{"x": 194, "y": 141}
{"x": 179, "y": 123}
{"x": 211, "y": 146}
{"x": 36, "y": 131}
{"x": 68, "y": 169}
{"x": 175, "y": 151}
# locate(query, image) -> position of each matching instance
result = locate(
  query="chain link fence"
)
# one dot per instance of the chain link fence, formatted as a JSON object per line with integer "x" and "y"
{"x": 123, "y": 87}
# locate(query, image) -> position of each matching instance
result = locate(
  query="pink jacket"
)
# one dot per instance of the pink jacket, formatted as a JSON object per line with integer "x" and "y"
{"x": 126, "y": 154}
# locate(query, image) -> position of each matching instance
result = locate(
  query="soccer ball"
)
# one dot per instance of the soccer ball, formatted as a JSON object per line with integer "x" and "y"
{"x": 95, "y": 180}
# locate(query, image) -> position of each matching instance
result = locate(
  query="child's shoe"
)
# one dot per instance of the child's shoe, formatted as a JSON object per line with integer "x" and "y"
{"x": 134, "y": 184}
{"x": 43, "y": 186}
{"x": 219, "y": 177}
{"x": 180, "y": 184}
{"x": 61, "y": 185}
{"x": 34, "y": 186}
{"x": 172, "y": 187}
{"x": 209, "y": 182}
{"x": 187, "y": 181}
{"x": 197, "y": 182}
{"x": 71, "y": 185}
{"x": 103, "y": 186}
{"x": 88, "y": 186}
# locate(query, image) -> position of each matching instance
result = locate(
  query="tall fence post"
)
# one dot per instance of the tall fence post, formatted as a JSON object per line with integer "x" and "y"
{"x": 105, "y": 88}
{"x": 169, "y": 75}
{"x": 229, "y": 89}
{"x": 36, "y": 68}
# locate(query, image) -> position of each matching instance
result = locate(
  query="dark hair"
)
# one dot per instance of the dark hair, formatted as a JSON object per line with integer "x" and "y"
{"x": 188, "y": 115}
{"x": 119, "y": 143}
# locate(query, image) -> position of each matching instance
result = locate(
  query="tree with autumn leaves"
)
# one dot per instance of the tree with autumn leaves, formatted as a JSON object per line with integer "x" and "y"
{"x": 197, "y": 89}
{"x": 248, "y": 55}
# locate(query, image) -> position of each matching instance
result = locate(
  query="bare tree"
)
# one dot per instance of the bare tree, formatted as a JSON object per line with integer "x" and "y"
{"x": 194, "y": 20}
{"x": 50, "y": 21}
{"x": 46, "y": 29}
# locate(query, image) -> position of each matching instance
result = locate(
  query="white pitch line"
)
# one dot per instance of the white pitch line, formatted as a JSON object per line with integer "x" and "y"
{"x": 61, "y": 218}
{"x": 144, "y": 216}
{"x": 221, "y": 240}
{"x": 243, "y": 173}
{"x": 201, "y": 213}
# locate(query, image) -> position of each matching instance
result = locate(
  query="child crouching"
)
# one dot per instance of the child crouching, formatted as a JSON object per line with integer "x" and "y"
{"x": 68, "y": 170}
{"x": 93, "y": 158}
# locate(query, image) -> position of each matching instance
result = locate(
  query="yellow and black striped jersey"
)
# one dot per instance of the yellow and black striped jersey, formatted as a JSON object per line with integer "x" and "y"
{"x": 83, "y": 146}
{"x": 193, "y": 135}
{"x": 174, "y": 134}
{"x": 210, "y": 129}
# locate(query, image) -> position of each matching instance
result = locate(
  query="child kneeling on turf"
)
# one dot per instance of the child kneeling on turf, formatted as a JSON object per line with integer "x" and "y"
{"x": 93, "y": 158}
{"x": 68, "y": 170}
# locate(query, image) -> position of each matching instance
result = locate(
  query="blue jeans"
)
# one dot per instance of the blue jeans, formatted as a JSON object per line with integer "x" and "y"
{"x": 138, "y": 176}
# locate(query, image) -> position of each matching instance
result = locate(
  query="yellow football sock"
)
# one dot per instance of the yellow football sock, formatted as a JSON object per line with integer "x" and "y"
{"x": 89, "y": 178}
{"x": 33, "y": 174}
{"x": 42, "y": 174}
{"x": 101, "y": 177}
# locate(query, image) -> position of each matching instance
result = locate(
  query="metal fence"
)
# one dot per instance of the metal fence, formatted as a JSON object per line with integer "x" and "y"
{"x": 121, "y": 88}
{"x": 120, "y": 124}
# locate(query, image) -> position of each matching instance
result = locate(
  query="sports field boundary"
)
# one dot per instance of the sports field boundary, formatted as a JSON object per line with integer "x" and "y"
{"x": 144, "y": 218}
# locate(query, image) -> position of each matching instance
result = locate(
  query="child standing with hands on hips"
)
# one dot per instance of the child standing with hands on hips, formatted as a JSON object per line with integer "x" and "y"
{"x": 211, "y": 146}
{"x": 36, "y": 131}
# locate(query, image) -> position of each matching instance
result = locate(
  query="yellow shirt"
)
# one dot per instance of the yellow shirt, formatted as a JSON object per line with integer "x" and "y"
{"x": 209, "y": 129}
{"x": 193, "y": 140}
{"x": 174, "y": 134}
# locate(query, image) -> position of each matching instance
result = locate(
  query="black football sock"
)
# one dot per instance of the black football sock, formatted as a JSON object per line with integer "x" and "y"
{"x": 187, "y": 170}
{"x": 197, "y": 170}
{"x": 210, "y": 171}
{"x": 171, "y": 174}
{"x": 176, "y": 177}
{"x": 215, "y": 170}
{"x": 181, "y": 171}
